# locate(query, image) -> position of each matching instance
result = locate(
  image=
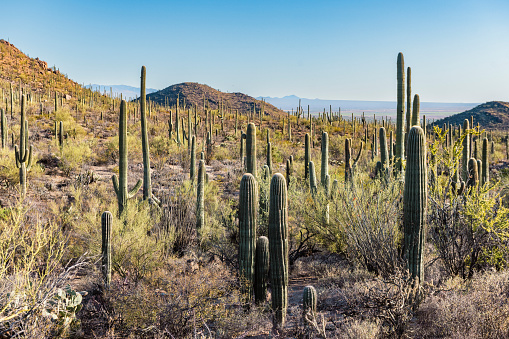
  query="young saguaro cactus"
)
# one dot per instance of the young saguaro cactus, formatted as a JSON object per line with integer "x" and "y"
{"x": 309, "y": 299}
{"x": 261, "y": 269}
{"x": 23, "y": 155}
{"x": 485, "y": 178}
{"x": 415, "y": 202}
{"x": 120, "y": 183}
{"x": 200, "y": 197}
{"x": 251, "y": 149}
{"x": 278, "y": 244}
{"x": 248, "y": 209}
{"x": 400, "y": 108}
{"x": 106, "y": 221}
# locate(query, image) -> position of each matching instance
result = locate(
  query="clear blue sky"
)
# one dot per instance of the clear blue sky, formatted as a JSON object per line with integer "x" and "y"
{"x": 458, "y": 49}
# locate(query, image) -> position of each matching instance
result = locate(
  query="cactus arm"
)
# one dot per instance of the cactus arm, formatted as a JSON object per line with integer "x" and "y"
{"x": 114, "y": 178}
{"x": 29, "y": 162}
{"x": 135, "y": 189}
{"x": 156, "y": 200}
{"x": 358, "y": 154}
{"x": 16, "y": 155}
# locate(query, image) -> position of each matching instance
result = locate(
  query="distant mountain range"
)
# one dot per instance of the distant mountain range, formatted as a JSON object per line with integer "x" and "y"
{"x": 128, "y": 92}
{"x": 433, "y": 110}
{"x": 493, "y": 114}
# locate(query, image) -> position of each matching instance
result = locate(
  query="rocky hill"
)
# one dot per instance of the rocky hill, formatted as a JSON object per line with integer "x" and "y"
{"x": 492, "y": 114}
{"x": 194, "y": 93}
{"x": 17, "y": 67}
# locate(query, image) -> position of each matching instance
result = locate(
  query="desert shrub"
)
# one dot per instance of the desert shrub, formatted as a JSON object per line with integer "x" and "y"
{"x": 32, "y": 280}
{"x": 74, "y": 154}
{"x": 475, "y": 308}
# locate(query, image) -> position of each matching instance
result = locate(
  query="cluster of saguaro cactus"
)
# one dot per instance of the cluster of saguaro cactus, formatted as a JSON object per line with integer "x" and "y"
{"x": 415, "y": 202}
{"x": 23, "y": 155}
{"x": 120, "y": 183}
{"x": 248, "y": 209}
{"x": 106, "y": 221}
{"x": 278, "y": 244}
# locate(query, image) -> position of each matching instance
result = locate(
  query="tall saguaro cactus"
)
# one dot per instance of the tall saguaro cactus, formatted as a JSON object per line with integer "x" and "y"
{"x": 399, "y": 110}
{"x": 248, "y": 209}
{"x": 200, "y": 197}
{"x": 409, "y": 118}
{"x": 3, "y": 123}
{"x": 485, "y": 178}
{"x": 147, "y": 186}
{"x": 106, "y": 220}
{"x": 278, "y": 244}
{"x": 192, "y": 167}
{"x": 325, "y": 157}
{"x": 415, "y": 202}
{"x": 466, "y": 151}
{"x": 23, "y": 155}
{"x": 384, "y": 156}
{"x": 120, "y": 183}
{"x": 251, "y": 149}
{"x": 307, "y": 155}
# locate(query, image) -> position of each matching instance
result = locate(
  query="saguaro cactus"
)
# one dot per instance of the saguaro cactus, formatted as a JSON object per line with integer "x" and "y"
{"x": 466, "y": 151}
{"x": 61, "y": 134}
{"x": 384, "y": 157}
{"x": 312, "y": 178}
{"x": 473, "y": 176}
{"x": 192, "y": 167}
{"x": 106, "y": 220}
{"x": 415, "y": 202}
{"x": 3, "y": 123}
{"x": 269, "y": 156}
{"x": 248, "y": 209}
{"x": 325, "y": 157}
{"x": 307, "y": 155}
{"x": 485, "y": 163}
{"x": 409, "y": 99}
{"x": 278, "y": 243}
{"x": 23, "y": 155}
{"x": 120, "y": 183}
{"x": 309, "y": 298}
{"x": 147, "y": 186}
{"x": 261, "y": 269}
{"x": 251, "y": 149}
{"x": 399, "y": 110}
{"x": 200, "y": 197}
{"x": 415, "y": 113}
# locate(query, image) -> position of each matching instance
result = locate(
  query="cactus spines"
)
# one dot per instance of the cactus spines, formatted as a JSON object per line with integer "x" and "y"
{"x": 3, "y": 122}
{"x": 261, "y": 269}
{"x": 473, "y": 176}
{"x": 485, "y": 178}
{"x": 307, "y": 155}
{"x": 415, "y": 112}
{"x": 415, "y": 202}
{"x": 106, "y": 220}
{"x": 251, "y": 149}
{"x": 200, "y": 196}
{"x": 248, "y": 208}
{"x": 400, "y": 108}
{"x": 278, "y": 244}
{"x": 309, "y": 299}
{"x": 325, "y": 157}
{"x": 192, "y": 167}
{"x": 466, "y": 151}
{"x": 23, "y": 155}
{"x": 120, "y": 183}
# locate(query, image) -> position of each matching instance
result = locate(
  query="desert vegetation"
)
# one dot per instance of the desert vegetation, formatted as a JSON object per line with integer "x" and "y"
{"x": 174, "y": 219}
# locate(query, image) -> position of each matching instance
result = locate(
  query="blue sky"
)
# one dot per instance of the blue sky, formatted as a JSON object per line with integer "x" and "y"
{"x": 457, "y": 50}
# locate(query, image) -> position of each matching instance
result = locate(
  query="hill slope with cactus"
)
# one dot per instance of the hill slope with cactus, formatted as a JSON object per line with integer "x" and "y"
{"x": 492, "y": 114}
{"x": 194, "y": 94}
